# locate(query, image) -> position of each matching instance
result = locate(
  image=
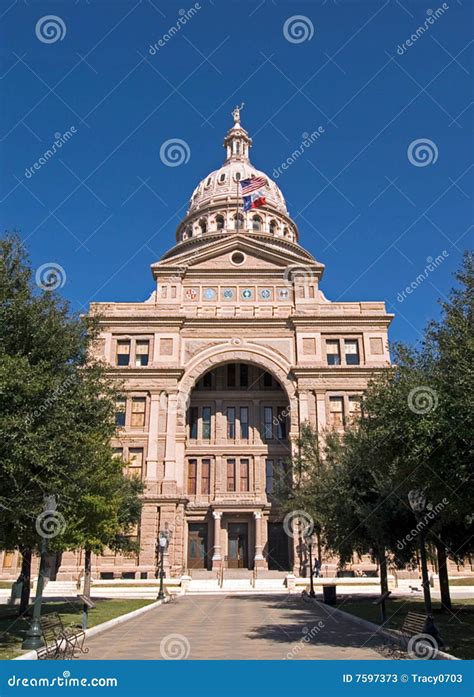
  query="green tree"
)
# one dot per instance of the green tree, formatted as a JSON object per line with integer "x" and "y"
{"x": 56, "y": 418}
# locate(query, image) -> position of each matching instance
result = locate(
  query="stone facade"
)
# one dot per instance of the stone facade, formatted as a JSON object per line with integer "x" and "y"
{"x": 236, "y": 347}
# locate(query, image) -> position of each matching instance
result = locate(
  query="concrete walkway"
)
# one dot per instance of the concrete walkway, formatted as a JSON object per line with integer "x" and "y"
{"x": 237, "y": 627}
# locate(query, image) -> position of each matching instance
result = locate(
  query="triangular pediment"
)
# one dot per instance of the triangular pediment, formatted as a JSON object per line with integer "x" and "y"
{"x": 219, "y": 255}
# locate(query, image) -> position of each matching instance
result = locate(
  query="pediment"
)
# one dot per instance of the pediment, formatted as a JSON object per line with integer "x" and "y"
{"x": 218, "y": 255}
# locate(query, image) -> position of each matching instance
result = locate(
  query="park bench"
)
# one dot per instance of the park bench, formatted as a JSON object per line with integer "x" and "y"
{"x": 60, "y": 641}
{"x": 413, "y": 624}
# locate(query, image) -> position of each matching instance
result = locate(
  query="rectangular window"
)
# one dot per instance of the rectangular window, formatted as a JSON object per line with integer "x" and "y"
{"x": 192, "y": 476}
{"x": 336, "y": 412}
{"x": 354, "y": 407}
{"x": 244, "y": 375}
{"x": 205, "y": 476}
{"x": 206, "y": 423}
{"x": 244, "y": 423}
{"x": 123, "y": 352}
{"x": 135, "y": 463}
{"x": 351, "y": 350}
{"x": 267, "y": 423}
{"x": 281, "y": 427}
{"x": 231, "y": 474}
{"x": 269, "y": 476}
{"x": 231, "y": 375}
{"x": 267, "y": 380}
{"x": 193, "y": 422}
{"x": 332, "y": 352}
{"x": 244, "y": 474}
{"x": 138, "y": 412}
{"x": 231, "y": 423}
{"x": 120, "y": 407}
{"x": 142, "y": 352}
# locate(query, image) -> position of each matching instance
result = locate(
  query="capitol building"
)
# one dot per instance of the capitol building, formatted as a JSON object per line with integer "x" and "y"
{"x": 235, "y": 349}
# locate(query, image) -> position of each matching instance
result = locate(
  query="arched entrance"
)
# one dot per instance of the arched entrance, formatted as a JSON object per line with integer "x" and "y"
{"x": 237, "y": 426}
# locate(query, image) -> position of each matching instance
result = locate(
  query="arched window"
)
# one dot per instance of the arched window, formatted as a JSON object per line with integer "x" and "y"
{"x": 273, "y": 227}
{"x": 222, "y": 178}
{"x": 220, "y": 222}
{"x": 203, "y": 226}
{"x": 256, "y": 223}
{"x": 208, "y": 183}
{"x": 286, "y": 232}
{"x": 238, "y": 221}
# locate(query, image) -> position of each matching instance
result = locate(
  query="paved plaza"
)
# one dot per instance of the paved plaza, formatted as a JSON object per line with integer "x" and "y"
{"x": 238, "y": 627}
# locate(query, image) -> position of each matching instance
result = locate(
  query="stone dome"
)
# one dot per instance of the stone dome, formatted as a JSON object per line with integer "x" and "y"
{"x": 216, "y": 203}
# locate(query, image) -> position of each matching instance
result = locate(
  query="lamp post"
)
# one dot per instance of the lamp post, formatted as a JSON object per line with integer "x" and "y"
{"x": 163, "y": 540}
{"x": 34, "y": 638}
{"x": 417, "y": 500}
{"x": 309, "y": 544}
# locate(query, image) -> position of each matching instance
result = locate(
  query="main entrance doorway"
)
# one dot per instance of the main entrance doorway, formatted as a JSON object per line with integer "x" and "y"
{"x": 278, "y": 548}
{"x": 197, "y": 546}
{"x": 238, "y": 538}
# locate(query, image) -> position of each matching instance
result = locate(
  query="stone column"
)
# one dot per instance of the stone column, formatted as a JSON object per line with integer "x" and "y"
{"x": 217, "y": 555}
{"x": 321, "y": 409}
{"x": 169, "y": 481}
{"x": 152, "y": 454}
{"x": 258, "y": 559}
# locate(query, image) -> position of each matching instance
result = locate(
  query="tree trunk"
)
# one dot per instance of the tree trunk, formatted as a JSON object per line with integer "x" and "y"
{"x": 383, "y": 570}
{"x": 25, "y": 577}
{"x": 443, "y": 576}
{"x": 87, "y": 573}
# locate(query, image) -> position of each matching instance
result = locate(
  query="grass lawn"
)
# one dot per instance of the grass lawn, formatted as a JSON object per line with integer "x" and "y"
{"x": 462, "y": 581}
{"x": 456, "y": 628}
{"x": 13, "y": 627}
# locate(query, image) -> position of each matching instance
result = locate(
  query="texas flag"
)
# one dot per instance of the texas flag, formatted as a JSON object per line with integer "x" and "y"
{"x": 252, "y": 192}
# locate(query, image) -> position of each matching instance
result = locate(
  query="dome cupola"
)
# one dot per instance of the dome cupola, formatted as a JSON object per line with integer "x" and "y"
{"x": 216, "y": 205}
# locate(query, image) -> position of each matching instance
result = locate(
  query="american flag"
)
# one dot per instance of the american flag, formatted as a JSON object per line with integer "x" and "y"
{"x": 252, "y": 184}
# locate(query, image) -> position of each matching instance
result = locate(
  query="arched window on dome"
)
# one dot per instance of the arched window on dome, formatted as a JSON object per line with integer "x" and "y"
{"x": 237, "y": 176}
{"x": 286, "y": 232}
{"x": 256, "y": 223}
{"x": 221, "y": 179}
{"x": 208, "y": 182}
{"x": 238, "y": 221}
{"x": 203, "y": 226}
{"x": 273, "y": 227}
{"x": 220, "y": 222}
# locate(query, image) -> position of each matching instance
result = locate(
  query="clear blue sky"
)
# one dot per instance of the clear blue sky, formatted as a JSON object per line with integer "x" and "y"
{"x": 105, "y": 206}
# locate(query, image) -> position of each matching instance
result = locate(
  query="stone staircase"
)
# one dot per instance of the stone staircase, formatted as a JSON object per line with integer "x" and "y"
{"x": 237, "y": 581}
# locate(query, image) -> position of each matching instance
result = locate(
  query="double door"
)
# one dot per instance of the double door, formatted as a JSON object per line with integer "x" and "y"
{"x": 238, "y": 546}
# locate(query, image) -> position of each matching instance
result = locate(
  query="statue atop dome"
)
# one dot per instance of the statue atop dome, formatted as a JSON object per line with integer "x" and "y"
{"x": 236, "y": 113}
